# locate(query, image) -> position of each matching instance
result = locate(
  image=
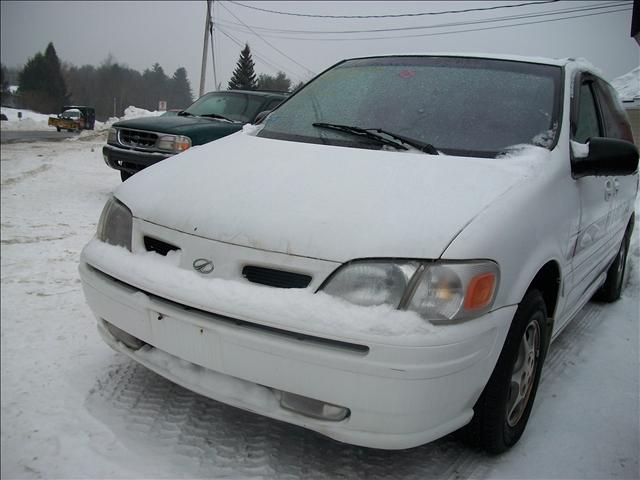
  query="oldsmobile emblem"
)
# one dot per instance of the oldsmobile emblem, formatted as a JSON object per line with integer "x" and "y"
{"x": 203, "y": 265}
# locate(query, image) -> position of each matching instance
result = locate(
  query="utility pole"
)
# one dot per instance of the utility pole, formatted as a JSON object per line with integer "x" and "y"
{"x": 207, "y": 31}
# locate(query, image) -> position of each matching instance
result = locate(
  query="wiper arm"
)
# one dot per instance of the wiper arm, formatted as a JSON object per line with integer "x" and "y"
{"x": 215, "y": 115}
{"x": 420, "y": 145}
{"x": 184, "y": 113}
{"x": 361, "y": 132}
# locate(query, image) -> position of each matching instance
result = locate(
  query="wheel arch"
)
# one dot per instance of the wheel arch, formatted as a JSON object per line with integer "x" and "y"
{"x": 547, "y": 281}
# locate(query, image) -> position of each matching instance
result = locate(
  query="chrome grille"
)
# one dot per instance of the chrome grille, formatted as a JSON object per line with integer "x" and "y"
{"x": 137, "y": 138}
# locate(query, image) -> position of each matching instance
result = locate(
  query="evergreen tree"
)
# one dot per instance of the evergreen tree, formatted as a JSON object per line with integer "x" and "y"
{"x": 56, "y": 87}
{"x": 244, "y": 77}
{"x": 278, "y": 83}
{"x": 180, "y": 95}
{"x": 41, "y": 82}
{"x": 4, "y": 83}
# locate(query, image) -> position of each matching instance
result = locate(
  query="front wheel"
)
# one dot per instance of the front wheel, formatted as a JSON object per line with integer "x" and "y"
{"x": 502, "y": 411}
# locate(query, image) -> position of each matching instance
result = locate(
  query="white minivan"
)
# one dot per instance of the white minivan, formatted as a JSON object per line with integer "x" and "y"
{"x": 386, "y": 257}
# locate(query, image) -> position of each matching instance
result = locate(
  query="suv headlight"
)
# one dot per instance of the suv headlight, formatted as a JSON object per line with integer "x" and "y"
{"x": 113, "y": 136}
{"x": 173, "y": 143}
{"x": 437, "y": 291}
{"x": 115, "y": 225}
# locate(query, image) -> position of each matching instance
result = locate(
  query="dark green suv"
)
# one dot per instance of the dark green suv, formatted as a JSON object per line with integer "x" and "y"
{"x": 136, "y": 144}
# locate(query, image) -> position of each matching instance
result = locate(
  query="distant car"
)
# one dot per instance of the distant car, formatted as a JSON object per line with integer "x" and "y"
{"x": 387, "y": 257}
{"x": 133, "y": 145}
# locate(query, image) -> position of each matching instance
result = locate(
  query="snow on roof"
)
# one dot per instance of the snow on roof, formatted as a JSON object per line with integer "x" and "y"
{"x": 628, "y": 85}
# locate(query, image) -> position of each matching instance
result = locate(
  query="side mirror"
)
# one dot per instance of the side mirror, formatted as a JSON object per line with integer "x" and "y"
{"x": 607, "y": 156}
{"x": 261, "y": 116}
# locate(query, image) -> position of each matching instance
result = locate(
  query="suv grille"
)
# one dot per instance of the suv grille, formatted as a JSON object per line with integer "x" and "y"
{"x": 276, "y": 278}
{"x": 137, "y": 138}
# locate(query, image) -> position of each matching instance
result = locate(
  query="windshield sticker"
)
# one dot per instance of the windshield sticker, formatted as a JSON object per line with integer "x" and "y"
{"x": 407, "y": 73}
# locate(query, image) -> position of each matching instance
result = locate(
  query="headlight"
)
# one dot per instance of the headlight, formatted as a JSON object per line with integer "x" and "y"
{"x": 115, "y": 224}
{"x": 113, "y": 135}
{"x": 372, "y": 282}
{"x": 173, "y": 143}
{"x": 437, "y": 291}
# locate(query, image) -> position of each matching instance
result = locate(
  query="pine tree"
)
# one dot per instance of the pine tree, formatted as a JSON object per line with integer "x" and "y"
{"x": 41, "y": 82}
{"x": 244, "y": 77}
{"x": 279, "y": 82}
{"x": 56, "y": 87}
{"x": 180, "y": 90}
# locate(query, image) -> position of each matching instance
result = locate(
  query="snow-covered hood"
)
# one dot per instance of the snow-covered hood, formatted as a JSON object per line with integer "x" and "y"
{"x": 326, "y": 202}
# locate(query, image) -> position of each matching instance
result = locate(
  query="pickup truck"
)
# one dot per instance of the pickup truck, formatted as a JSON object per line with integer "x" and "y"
{"x": 133, "y": 145}
{"x": 74, "y": 118}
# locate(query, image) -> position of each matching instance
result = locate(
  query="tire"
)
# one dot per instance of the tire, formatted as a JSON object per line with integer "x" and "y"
{"x": 611, "y": 289}
{"x": 502, "y": 411}
{"x": 125, "y": 175}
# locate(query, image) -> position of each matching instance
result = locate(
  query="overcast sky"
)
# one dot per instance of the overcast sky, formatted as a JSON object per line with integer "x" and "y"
{"x": 139, "y": 34}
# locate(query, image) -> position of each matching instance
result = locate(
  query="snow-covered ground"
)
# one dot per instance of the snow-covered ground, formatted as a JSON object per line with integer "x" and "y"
{"x": 73, "y": 408}
{"x": 39, "y": 122}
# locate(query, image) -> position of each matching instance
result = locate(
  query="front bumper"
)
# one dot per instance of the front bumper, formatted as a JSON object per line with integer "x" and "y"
{"x": 401, "y": 392}
{"x": 129, "y": 160}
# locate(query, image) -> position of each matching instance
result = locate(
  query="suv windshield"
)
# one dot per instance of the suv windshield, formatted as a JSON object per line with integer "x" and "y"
{"x": 461, "y": 106}
{"x": 239, "y": 107}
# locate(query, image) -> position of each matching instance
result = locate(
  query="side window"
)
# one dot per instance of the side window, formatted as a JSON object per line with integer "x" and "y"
{"x": 273, "y": 104}
{"x": 615, "y": 118}
{"x": 588, "y": 122}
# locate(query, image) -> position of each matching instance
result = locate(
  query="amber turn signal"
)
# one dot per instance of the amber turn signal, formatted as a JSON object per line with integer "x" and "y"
{"x": 480, "y": 291}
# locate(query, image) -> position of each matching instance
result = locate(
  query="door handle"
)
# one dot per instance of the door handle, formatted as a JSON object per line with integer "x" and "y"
{"x": 608, "y": 190}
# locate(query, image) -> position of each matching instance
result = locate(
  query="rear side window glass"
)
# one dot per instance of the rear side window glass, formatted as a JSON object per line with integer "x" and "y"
{"x": 588, "y": 123}
{"x": 615, "y": 118}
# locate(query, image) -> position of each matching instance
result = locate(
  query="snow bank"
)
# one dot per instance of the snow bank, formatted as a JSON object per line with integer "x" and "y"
{"x": 38, "y": 121}
{"x": 29, "y": 121}
{"x": 628, "y": 85}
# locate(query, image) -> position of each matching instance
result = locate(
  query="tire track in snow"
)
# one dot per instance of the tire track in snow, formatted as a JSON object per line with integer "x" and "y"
{"x": 567, "y": 347}
{"x": 29, "y": 173}
{"x": 199, "y": 437}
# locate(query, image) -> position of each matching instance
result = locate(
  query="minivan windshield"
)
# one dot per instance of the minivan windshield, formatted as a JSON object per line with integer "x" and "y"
{"x": 234, "y": 106}
{"x": 461, "y": 106}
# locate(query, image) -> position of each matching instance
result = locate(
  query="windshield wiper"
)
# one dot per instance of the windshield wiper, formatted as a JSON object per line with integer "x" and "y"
{"x": 361, "y": 132}
{"x": 420, "y": 145}
{"x": 215, "y": 115}
{"x": 378, "y": 134}
{"x": 184, "y": 113}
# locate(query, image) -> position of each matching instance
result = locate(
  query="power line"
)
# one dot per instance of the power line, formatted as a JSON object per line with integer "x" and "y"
{"x": 267, "y": 42}
{"x": 269, "y": 63}
{"x": 237, "y": 26}
{"x": 454, "y": 31}
{"x": 397, "y": 15}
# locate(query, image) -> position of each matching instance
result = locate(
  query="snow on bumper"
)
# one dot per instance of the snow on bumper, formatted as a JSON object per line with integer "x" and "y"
{"x": 405, "y": 385}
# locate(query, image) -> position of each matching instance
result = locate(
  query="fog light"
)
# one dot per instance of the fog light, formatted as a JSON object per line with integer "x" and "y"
{"x": 129, "y": 340}
{"x": 313, "y": 408}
